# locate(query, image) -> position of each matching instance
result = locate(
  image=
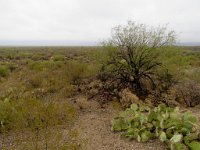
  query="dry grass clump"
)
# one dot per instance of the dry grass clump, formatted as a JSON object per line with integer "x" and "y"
{"x": 34, "y": 114}
{"x": 40, "y": 119}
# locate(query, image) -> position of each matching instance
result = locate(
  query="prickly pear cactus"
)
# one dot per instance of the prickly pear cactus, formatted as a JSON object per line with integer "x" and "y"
{"x": 180, "y": 131}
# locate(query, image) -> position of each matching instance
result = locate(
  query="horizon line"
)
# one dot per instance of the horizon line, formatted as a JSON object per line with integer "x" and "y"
{"x": 62, "y": 43}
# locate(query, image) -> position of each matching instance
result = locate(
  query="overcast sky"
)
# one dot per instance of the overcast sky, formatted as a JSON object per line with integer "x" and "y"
{"x": 89, "y": 21}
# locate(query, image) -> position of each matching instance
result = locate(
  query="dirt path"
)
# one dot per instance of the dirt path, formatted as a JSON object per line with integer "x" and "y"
{"x": 94, "y": 126}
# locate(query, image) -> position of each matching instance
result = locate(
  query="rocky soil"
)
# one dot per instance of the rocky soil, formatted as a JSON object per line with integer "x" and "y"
{"x": 94, "y": 125}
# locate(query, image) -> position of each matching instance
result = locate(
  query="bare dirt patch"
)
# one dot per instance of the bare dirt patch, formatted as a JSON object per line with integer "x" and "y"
{"x": 94, "y": 127}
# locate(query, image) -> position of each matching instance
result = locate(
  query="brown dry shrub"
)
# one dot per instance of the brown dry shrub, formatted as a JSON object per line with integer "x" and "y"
{"x": 188, "y": 93}
{"x": 128, "y": 98}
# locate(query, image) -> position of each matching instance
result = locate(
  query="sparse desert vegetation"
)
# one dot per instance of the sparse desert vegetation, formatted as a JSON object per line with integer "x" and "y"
{"x": 66, "y": 97}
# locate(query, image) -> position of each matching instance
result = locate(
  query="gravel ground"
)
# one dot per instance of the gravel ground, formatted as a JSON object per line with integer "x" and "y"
{"x": 94, "y": 126}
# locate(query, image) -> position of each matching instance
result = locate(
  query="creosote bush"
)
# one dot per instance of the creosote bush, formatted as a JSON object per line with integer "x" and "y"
{"x": 178, "y": 130}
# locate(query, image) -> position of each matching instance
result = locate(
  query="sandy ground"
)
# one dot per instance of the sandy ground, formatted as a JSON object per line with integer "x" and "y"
{"x": 94, "y": 126}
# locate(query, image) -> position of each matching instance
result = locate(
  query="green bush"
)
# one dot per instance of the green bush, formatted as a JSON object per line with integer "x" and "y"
{"x": 42, "y": 122}
{"x": 76, "y": 71}
{"x": 8, "y": 115}
{"x": 58, "y": 58}
{"x": 38, "y": 56}
{"x": 171, "y": 126}
{"x": 11, "y": 66}
{"x": 4, "y": 71}
{"x": 43, "y": 65}
{"x": 34, "y": 114}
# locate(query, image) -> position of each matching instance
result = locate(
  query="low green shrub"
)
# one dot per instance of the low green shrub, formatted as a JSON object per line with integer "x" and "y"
{"x": 11, "y": 66}
{"x": 58, "y": 57}
{"x": 10, "y": 55}
{"x": 38, "y": 56}
{"x": 179, "y": 130}
{"x": 8, "y": 115}
{"x": 76, "y": 71}
{"x": 42, "y": 65}
{"x": 48, "y": 82}
{"x": 4, "y": 71}
{"x": 34, "y": 114}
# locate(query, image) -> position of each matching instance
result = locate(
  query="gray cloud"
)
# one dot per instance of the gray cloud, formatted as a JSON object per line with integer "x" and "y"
{"x": 91, "y": 20}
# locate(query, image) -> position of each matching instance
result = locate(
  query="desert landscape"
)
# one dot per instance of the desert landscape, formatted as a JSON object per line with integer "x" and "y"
{"x": 58, "y": 98}
{"x": 99, "y": 75}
